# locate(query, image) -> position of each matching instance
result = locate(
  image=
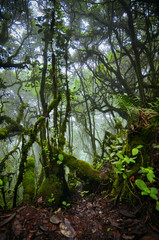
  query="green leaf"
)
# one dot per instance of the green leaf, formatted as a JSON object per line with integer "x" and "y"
{"x": 59, "y": 162}
{"x": 144, "y": 170}
{"x": 154, "y": 190}
{"x": 157, "y": 146}
{"x": 154, "y": 196}
{"x": 140, "y": 146}
{"x": 157, "y": 205}
{"x": 60, "y": 156}
{"x": 120, "y": 155}
{"x": 135, "y": 151}
{"x": 150, "y": 177}
{"x": 1, "y": 182}
{"x": 124, "y": 176}
{"x": 144, "y": 193}
{"x": 142, "y": 186}
{"x": 153, "y": 193}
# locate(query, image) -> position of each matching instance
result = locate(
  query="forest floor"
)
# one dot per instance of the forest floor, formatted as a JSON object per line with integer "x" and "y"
{"x": 88, "y": 217}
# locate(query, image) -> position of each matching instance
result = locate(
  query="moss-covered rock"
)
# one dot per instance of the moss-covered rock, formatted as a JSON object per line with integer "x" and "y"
{"x": 51, "y": 186}
{"x": 29, "y": 185}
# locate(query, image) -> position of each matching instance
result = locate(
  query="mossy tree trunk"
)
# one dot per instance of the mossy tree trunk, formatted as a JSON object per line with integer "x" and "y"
{"x": 147, "y": 136}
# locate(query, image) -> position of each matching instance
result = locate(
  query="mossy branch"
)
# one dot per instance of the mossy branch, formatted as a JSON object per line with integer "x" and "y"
{"x": 84, "y": 170}
{"x": 54, "y": 103}
{"x": 25, "y": 149}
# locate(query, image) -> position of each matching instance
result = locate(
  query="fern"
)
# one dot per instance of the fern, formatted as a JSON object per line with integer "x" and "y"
{"x": 155, "y": 105}
{"x": 126, "y": 103}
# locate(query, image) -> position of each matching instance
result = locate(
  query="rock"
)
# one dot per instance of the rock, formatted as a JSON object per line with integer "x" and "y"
{"x": 55, "y": 220}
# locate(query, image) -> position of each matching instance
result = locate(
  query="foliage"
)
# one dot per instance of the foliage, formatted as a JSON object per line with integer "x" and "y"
{"x": 112, "y": 74}
{"x": 145, "y": 190}
{"x": 122, "y": 165}
{"x": 65, "y": 204}
{"x": 51, "y": 199}
{"x": 60, "y": 157}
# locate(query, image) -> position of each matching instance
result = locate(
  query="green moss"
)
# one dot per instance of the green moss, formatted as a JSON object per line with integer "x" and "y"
{"x": 54, "y": 103}
{"x": 41, "y": 119}
{"x": 30, "y": 163}
{"x": 29, "y": 181}
{"x": 21, "y": 112}
{"x": 144, "y": 136}
{"x": 83, "y": 169}
{"x": 3, "y": 132}
{"x": 52, "y": 185}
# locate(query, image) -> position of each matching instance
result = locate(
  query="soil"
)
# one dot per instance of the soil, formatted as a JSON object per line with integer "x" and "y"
{"x": 90, "y": 217}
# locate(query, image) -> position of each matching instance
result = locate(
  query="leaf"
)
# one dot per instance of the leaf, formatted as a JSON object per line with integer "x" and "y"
{"x": 120, "y": 155}
{"x": 60, "y": 156}
{"x": 144, "y": 170}
{"x": 1, "y": 182}
{"x": 154, "y": 196}
{"x": 144, "y": 193}
{"x": 150, "y": 177}
{"x": 59, "y": 162}
{"x": 67, "y": 230}
{"x": 154, "y": 190}
{"x": 153, "y": 193}
{"x": 140, "y": 146}
{"x": 142, "y": 186}
{"x": 135, "y": 151}
{"x": 157, "y": 205}
{"x": 124, "y": 176}
{"x": 157, "y": 146}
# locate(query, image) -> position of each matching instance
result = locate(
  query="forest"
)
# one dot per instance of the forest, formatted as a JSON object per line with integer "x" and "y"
{"x": 79, "y": 109}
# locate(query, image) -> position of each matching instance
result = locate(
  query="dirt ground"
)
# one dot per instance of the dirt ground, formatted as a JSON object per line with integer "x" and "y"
{"x": 88, "y": 217}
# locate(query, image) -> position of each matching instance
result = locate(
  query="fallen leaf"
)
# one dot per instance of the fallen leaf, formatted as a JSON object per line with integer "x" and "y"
{"x": 39, "y": 200}
{"x": 67, "y": 230}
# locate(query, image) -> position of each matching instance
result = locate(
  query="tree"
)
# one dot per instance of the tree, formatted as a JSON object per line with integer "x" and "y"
{"x": 110, "y": 49}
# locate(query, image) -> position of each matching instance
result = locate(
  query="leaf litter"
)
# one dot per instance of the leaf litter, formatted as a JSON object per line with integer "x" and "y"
{"x": 87, "y": 218}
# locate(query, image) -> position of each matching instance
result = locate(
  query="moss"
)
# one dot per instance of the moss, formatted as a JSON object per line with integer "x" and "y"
{"x": 29, "y": 181}
{"x": 54, "y": 103}
{"x": 83, "y": 169}
{"x": 141, "y": 136}
{"x": 10, "y": 128}
{"x": 30, "y": 163}
{"x": 52, "y": 185}
{"x": 21, "y": 112}
{"x": 3, "y": 132}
